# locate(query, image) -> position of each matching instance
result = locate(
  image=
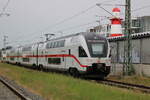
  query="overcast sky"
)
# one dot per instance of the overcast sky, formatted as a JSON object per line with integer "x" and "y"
{"x": 30, "y": 19}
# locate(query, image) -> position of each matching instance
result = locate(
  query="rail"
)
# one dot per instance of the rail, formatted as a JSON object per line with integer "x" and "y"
{"x": 13, "y": 89}
{"x": 141, "y": 88}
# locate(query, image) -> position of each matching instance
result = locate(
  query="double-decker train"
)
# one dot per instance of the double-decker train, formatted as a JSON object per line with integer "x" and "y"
{"x": 78, "y": 54}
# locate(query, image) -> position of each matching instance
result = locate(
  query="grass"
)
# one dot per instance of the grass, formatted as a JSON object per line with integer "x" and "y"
{"x": 53, "y": 86}
{"x": 132, "y": 79}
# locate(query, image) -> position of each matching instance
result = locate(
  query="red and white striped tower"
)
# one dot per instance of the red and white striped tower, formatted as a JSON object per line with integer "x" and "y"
{"x": 116, "y": 21}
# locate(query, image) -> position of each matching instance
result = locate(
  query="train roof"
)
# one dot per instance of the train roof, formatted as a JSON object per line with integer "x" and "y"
{"x": 88, "y": 34}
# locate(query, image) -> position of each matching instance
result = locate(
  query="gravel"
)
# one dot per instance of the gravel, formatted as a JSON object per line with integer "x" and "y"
{"x": 6, "y": 94}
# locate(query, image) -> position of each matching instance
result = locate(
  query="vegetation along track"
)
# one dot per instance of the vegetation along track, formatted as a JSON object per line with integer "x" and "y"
{"x": 13, "y": 89}
{"x": 141, "y": 88}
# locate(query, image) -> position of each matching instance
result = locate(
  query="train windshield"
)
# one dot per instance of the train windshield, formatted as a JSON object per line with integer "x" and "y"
{"x": 97, "y": 48}
{"x": 97, "y": 45}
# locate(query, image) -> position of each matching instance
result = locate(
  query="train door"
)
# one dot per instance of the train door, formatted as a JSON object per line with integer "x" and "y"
{"x": 76, "y": 60}
{"x": 37, "y": 54}
{"x": 34, "y": 55}
{"x": 17, "y": 55}
{"x": 41, "y": 60}
{"x": 63, "y": 59}
{"x": 82, "y": 56}
{"x": 68, "y": 59}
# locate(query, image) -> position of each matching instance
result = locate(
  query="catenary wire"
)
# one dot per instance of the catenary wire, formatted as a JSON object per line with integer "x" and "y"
{"x": 5, "y": 7}
{"x": 141, "y": 8}
{"x": 74, "y": 16}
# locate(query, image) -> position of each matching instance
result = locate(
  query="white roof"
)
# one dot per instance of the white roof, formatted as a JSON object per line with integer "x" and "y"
{"x": 136, "y": 35}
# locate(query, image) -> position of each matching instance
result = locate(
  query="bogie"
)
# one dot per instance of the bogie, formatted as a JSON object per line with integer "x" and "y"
{"x": 74, "y": 72}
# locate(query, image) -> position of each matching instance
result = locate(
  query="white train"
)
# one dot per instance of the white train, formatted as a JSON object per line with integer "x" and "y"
{"x": 82, "y": 53}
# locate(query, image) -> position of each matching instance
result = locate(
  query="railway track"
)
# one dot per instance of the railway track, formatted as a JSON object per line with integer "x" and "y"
{"x": 141, "y": 88}
{"x": 17, "y": 94}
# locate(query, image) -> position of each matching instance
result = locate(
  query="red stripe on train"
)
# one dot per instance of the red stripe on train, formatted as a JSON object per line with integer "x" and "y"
{"x": 60, "y": 55}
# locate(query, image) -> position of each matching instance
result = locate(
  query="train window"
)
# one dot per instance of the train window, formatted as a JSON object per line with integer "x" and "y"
{"x": 54, "y": 60}
{"x": 50, "y": 45}
{"x": 69, "y": 52}
{"x": 62, "y": 43}
{"x": 97, "y": 48}
{"x": 12, "y": 59}
{"x": 26, "y": 49}
{"x": 82, "y": 52}
{"x": 54, "y": 44}
{"x": 25, "y": 59}
{"x": 47, "y": 45}
{"x": 59, "y": 43}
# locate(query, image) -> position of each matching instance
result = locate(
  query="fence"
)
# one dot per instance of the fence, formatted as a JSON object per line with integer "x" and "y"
{"x": 140, "y": 51}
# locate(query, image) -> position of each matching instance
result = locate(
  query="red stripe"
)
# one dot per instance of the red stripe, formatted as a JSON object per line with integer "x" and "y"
{"x": 116, "y": 21}
{"x": 116, "y": 10}
{"x": 113, "y": 35}
{"x": 58, "y": 55}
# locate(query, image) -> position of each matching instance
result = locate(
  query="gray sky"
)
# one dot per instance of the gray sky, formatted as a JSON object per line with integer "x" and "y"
{"x": 30, "y": 19}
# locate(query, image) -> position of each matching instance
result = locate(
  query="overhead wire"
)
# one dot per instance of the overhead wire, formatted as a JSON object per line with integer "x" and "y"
{"x": 70, "y": 28}
{"x": 104, "y": 9}
{"x": 73, "y": 27}
{"x": 138, "y": 9}
{"x": 76, "y": 15}
{"x": 141, "y": 8}
{"x": 106, "y": 1}
{"x": 72, "y": 17}
{"x": 5, "y": 7}
{"x": 108, "y": 12}
{"x": 67, "y": 19}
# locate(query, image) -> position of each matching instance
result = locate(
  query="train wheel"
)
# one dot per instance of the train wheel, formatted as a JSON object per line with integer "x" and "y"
{"x": 40, "y": 67}
{"x": 16, "y": 63}
{"x": 19, "y": 64}
{"x": 34, "y": 66}
{"x": 74, "y": 72}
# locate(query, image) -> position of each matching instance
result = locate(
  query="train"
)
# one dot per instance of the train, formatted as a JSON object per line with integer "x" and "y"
{"x": 86, "y": 53}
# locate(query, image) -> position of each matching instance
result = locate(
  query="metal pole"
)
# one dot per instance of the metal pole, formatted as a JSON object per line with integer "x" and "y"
{"x": 4, "y": 44}
{"x": 128, "y": 55}
{"x": 5, "y": 41}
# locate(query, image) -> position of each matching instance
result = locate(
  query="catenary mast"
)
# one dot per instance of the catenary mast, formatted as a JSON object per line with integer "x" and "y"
{"x": 128, "y": 54}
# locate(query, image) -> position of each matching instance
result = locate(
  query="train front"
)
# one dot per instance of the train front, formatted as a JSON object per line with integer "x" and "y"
{"x": 99, "y": 61}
